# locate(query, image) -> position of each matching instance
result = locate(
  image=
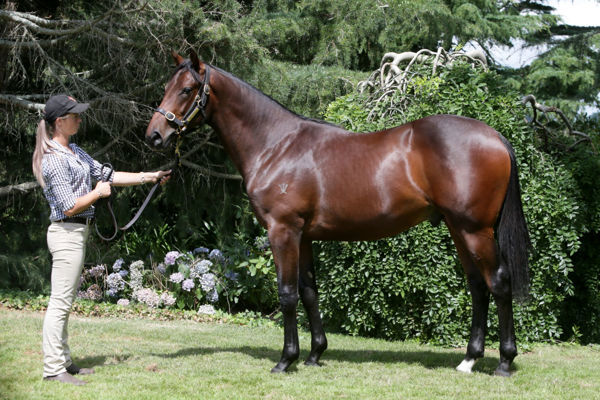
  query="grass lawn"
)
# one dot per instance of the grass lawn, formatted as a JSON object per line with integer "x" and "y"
{"x": 147, "y": 359}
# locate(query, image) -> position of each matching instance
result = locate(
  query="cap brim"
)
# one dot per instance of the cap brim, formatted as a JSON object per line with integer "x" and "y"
{"x": 79, "y": 108}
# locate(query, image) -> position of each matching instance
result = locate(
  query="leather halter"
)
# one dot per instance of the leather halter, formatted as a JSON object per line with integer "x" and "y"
{"x": 199, "y": 104}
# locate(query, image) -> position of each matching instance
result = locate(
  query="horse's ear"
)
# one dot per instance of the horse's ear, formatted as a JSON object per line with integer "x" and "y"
{"x": 178, "y": 59}
{"x": 195, "y": 60}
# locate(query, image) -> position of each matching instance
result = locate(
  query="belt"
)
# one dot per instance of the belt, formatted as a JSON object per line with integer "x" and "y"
{"x": 77, "y": 220}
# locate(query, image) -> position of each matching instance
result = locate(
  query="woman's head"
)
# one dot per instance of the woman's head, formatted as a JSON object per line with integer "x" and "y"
{"x": 61, "y": 116}
{"x": 62, "y": 113}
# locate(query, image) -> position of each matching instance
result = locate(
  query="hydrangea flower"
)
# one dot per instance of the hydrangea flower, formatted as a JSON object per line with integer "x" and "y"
{"x": 112, "y": 292}
{"x": 234, "y": 276}
{"x": 213, "y": 296}
{"x": 123, "y": 302}
{"x": 261, "y": 242}
{"x": 137, "y": 277}
{"x": 115, "y": 282}
{"x": 188, "y": 285}
{"x": 206, "y": 309}
{"x": 176, "y": 277}
{"x": 167, "y": 299}
{"x": 200, "y": 268}
{"x": 216, "y": 255}
{"x": 162, "y": 268}
{"x": 94, "y": 292}
{"x": 117, "y": 265}
{"x": 201, "y": 250}
{"x": 147, "y": 296}
{"x": 123, "y": 273}
{"x": 208, "y": 282}
{"x": 97, "y": 271}
{"x": 171, "y": 257}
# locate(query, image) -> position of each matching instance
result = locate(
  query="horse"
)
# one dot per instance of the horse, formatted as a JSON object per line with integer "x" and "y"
{"x": 309, "y": 180}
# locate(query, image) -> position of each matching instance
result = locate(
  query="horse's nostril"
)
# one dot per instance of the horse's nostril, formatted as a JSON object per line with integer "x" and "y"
{"x": 155, "y": 138}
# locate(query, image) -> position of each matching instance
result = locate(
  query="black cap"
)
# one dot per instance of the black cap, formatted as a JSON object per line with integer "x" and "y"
{"x": 60, "y": 105}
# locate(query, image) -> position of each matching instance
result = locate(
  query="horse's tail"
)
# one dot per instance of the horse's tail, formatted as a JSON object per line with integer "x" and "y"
{"x": 512, "y": 233}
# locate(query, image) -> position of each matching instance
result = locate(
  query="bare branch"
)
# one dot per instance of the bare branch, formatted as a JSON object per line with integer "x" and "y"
{"x": 548, "y": 109}
{"x": 20, "y": 102}
{"x": 21, "y": 188}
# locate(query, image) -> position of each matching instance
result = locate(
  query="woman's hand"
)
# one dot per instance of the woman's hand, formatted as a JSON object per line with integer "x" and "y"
{"x": 164, "y": 176}
{"x": 103, "y": 189}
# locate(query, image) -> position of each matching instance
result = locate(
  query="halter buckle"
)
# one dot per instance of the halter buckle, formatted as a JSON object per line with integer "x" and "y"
{"x": 206, "y": 89}
{"x": 170, "y": 116}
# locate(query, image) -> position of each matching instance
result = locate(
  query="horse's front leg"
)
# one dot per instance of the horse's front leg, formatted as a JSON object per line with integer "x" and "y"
{"x": 310, "y": 299}
{"x": 285, "y": 243}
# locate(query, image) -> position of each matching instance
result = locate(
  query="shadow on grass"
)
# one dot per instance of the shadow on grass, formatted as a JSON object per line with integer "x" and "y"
{"x": 426, "y": 358}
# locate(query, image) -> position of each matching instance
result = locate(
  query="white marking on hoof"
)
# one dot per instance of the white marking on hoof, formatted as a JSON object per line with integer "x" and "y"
{"x": 466, "y": 366}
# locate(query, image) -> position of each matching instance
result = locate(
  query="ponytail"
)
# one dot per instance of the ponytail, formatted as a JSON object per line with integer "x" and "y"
{"x": 43, "y": 145}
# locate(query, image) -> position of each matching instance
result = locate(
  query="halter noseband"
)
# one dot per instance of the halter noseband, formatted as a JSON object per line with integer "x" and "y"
{"x": 199, "y": 104}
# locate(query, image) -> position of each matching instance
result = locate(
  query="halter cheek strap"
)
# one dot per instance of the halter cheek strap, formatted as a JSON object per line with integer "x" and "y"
{"x": 199, "y": 104}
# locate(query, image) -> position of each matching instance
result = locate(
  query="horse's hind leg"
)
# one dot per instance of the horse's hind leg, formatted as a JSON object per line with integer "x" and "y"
{"x": 481, "y": 299}
{"x": 484, "y": 254}
{"x": 310, "y": 299}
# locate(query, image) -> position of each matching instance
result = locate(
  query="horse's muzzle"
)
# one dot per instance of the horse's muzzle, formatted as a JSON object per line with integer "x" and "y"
{"x": 154, "y": 139}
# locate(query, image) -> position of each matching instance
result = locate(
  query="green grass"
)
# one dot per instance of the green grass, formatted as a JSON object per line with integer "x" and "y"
{"x": 148, "y": 359}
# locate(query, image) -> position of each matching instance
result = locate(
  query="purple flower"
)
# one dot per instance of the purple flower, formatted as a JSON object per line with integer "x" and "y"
{"x": 94, "y": 292}
{"x": 213, "y": 296}
{"x": 201, "y": 250}
{"x": 206, "y": 309}
{"x": 234, "y": 276}
{"x": 123, "y": 302}
{"x": 123, "y": 273}
{"x": 161, "y": 268}
{"x": 148, "y": 297}
{"x": 167, "y": 299}
{"x": 97, "y": 271}
{"x": 171, "y": 257}
{"x": 117, "y": 265}
{"x": 188, "y": 285}
{"x": 216, "y": 255}
{"x": 208, "y": 282}
{"x": 177, "y": 277}
{"x": 200, "y": 268}
{"x": 115, "y": 282}
{"x": 261, "y": 242}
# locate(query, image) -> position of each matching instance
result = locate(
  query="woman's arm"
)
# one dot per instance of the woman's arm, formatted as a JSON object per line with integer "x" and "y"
{"x": 121, "y": 178}
{"x": 84, "y": 202}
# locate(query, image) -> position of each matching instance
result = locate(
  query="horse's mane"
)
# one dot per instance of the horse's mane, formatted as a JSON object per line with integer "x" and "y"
{"x": 187, "y": 64}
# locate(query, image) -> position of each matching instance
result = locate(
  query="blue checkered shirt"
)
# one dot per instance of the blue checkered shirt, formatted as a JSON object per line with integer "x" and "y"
{"x": 67, "y": 177}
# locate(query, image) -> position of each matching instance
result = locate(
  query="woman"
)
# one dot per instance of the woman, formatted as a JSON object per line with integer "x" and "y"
{"x": 64, "y": 171}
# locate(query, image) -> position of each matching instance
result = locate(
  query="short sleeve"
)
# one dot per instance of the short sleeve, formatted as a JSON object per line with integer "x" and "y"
{"x": 96, "y": 170}
{"x": 56, "y": 177}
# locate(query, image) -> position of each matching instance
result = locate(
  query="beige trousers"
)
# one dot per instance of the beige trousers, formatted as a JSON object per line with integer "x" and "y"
{"x": 66, "y": 242}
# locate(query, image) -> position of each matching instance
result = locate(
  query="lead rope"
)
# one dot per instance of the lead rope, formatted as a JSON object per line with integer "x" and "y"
{"x": 110, "y": 209}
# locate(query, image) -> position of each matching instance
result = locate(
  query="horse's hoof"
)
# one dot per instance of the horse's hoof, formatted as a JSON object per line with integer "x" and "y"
{"x": 280, "y": 368}
{"x": 502, "y": 372}
{"x": 466, "y": 366}
{"x": 312, "y": 363}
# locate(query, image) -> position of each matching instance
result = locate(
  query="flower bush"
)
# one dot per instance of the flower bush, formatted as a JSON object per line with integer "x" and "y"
{"x": 202, "y": 279}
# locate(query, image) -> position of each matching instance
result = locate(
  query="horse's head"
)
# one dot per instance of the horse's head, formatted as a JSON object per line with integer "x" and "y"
{"x": 184, "y": 102}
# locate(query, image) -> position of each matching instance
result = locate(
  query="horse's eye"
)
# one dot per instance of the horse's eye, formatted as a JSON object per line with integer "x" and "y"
{"x": 186, "y": 90}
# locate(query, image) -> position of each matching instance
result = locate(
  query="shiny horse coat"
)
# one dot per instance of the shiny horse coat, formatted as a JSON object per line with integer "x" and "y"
{"x": 308, "y": 180}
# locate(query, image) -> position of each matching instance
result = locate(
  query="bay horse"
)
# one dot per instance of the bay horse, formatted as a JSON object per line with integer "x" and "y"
{"x": 310, "y": 180}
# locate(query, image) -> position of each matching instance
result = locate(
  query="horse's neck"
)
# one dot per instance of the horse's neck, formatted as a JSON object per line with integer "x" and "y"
{"x": 248, "y": 122}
